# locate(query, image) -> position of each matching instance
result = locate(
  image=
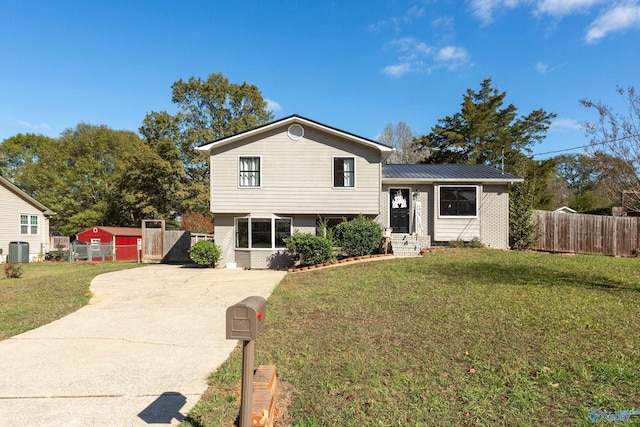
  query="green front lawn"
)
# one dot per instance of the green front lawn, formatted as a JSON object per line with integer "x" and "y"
{"x": 458, "y": 337}
{"x": 47, "y": 291}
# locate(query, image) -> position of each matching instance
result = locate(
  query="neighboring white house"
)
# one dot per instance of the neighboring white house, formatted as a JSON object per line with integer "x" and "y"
{"x": 284, "y": 176}
{"x": 22, "y": 219}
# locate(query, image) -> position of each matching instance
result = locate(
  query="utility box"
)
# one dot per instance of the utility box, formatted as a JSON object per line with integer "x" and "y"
{"x": 18, "y": 252}
{"x": 245, "y": 319}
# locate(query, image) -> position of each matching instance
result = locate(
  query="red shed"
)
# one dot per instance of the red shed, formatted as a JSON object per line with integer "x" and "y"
{"x": 125, "y": 240}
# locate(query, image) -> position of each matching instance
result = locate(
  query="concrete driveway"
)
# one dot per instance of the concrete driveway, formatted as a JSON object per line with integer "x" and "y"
{"x": 138, "y": 354}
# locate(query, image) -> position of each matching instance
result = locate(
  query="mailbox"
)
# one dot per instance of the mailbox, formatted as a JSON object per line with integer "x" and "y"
{"x": 245, "y": 319}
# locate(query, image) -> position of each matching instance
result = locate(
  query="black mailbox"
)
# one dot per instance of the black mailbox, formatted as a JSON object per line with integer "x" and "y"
{"x": 244, "y": 319}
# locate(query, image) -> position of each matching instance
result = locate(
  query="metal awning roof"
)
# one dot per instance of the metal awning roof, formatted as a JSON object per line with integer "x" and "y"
{"x": 445, "y": 173}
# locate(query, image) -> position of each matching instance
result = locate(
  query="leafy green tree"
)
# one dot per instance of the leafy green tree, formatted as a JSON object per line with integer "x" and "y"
{"x": 94, "y": 175}
{"x": 484, "y": 132}
{"x": 582, "y": 181}
{"x": 207, "y": 110}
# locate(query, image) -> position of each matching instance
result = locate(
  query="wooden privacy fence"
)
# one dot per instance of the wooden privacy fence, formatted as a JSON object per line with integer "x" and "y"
{"x": 161, "y": 245}
{"x": 586, "y": 234}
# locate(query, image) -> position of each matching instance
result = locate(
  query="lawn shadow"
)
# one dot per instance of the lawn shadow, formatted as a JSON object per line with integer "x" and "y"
{"x": 164, "y": 409}
{"x": 542, "y": 276}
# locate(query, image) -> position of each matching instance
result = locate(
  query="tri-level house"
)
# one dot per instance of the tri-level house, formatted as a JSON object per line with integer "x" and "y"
{"x": 287, "y": 175}
{"x": 23, "y": 220}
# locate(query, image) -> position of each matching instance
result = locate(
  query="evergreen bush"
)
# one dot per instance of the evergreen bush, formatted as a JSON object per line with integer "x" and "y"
{"x": 205, "y": 252}
{"x": 311, "y": 248}
{"x": 358, "y": 237}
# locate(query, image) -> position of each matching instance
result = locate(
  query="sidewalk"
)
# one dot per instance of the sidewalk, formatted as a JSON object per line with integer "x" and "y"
{"x": 138, "y": 354}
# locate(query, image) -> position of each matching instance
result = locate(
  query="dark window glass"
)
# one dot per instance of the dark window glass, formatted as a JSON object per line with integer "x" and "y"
{"x": 283, "y": 230}
{"x": 260, "y": 233}
{"x": 344, "y": 172}
{"x": 458, "y": 201}
{"x": 242, "y": 233}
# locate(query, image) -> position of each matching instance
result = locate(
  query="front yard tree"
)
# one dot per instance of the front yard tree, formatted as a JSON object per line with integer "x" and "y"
{"x": 207, "y": 110}
{"x": 484, "y": 131}
{"x": 615, "y": 146}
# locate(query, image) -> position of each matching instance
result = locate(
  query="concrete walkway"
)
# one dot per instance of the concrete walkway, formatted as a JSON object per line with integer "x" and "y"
{"x": 138, "y": 354}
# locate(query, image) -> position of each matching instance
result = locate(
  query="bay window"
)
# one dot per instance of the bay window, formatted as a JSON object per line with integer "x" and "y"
{"x": 262, "y": 232}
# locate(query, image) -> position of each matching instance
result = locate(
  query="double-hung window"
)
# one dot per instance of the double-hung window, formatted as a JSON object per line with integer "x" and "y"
{"x": 249, "y": 171}
{"x": 262, "y": 233}
{"x": 459, "y": 201}
{"x": 29, "y": 224}
{"x": 344, "y": 172}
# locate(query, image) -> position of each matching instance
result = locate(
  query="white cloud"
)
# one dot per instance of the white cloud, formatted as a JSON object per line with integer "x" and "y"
{"x": 273, "y": 106}
{"x": 452, "y": 54}
{"x": 559, "y": 8}
{"x": 409, "y": 47}
{"x": 414, "y": 12}
{"x": 486, "y": 9}
{"x": 611, "y": 15}
{"x": 542, "y": 68}
{"x": 564, "y": 124}
{"x": 397, "y": 70}
{"x": 417, "y": 56}
{"x": 621, "y": 17}
{"x": 41, "y": 126}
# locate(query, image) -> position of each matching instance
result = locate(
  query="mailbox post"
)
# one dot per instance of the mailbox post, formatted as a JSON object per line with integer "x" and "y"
{"x": 244, "y": 321}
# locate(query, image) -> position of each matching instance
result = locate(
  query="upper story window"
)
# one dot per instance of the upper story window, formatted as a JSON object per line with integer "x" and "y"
{"x": 29, "y": 224}
{"x": 249, "y": 171}
{"x": 344, "y": 172}
{"x": 459, "y": 200}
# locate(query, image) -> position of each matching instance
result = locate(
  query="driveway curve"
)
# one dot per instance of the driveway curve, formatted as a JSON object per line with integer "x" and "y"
{"x": 138, "y": 354}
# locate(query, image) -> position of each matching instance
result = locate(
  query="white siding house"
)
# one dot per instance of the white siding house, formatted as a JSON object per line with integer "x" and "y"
{"x": 275, "y": 179}
{"x": 22, "y": 219}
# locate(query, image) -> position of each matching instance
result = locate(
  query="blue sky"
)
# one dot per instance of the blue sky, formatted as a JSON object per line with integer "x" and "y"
{"x": 354, "y": 65}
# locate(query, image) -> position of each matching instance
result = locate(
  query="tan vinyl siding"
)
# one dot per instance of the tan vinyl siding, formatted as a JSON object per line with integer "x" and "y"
{"x": 494, "y": 216}
{"x": 296, "y": 176}
{"x": 12, "y": 207}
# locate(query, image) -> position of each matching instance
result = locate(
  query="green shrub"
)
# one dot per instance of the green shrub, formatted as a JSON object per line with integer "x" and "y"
{"x": 205, "y": 252}
{"x": 360, "y": 236}
{"x": 313, "y": 249}
{"x": 12, "y": 271}
{"x": 473, "y": 243}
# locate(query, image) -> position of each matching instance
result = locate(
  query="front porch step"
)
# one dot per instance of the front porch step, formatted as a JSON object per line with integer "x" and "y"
{"x": 408, "y": 244}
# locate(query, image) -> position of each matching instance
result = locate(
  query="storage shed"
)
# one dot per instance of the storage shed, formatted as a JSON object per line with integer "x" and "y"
{"x": 124, "y": 240}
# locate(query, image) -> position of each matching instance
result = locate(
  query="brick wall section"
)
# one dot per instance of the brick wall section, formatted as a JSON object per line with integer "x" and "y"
{"x": 264, "y": 392}
{"x": 409, "y": 245}
{"x": 494, "y": 216}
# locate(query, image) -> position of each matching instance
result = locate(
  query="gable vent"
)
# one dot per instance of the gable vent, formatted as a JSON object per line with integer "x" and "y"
{"x": 295, "y": 132}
